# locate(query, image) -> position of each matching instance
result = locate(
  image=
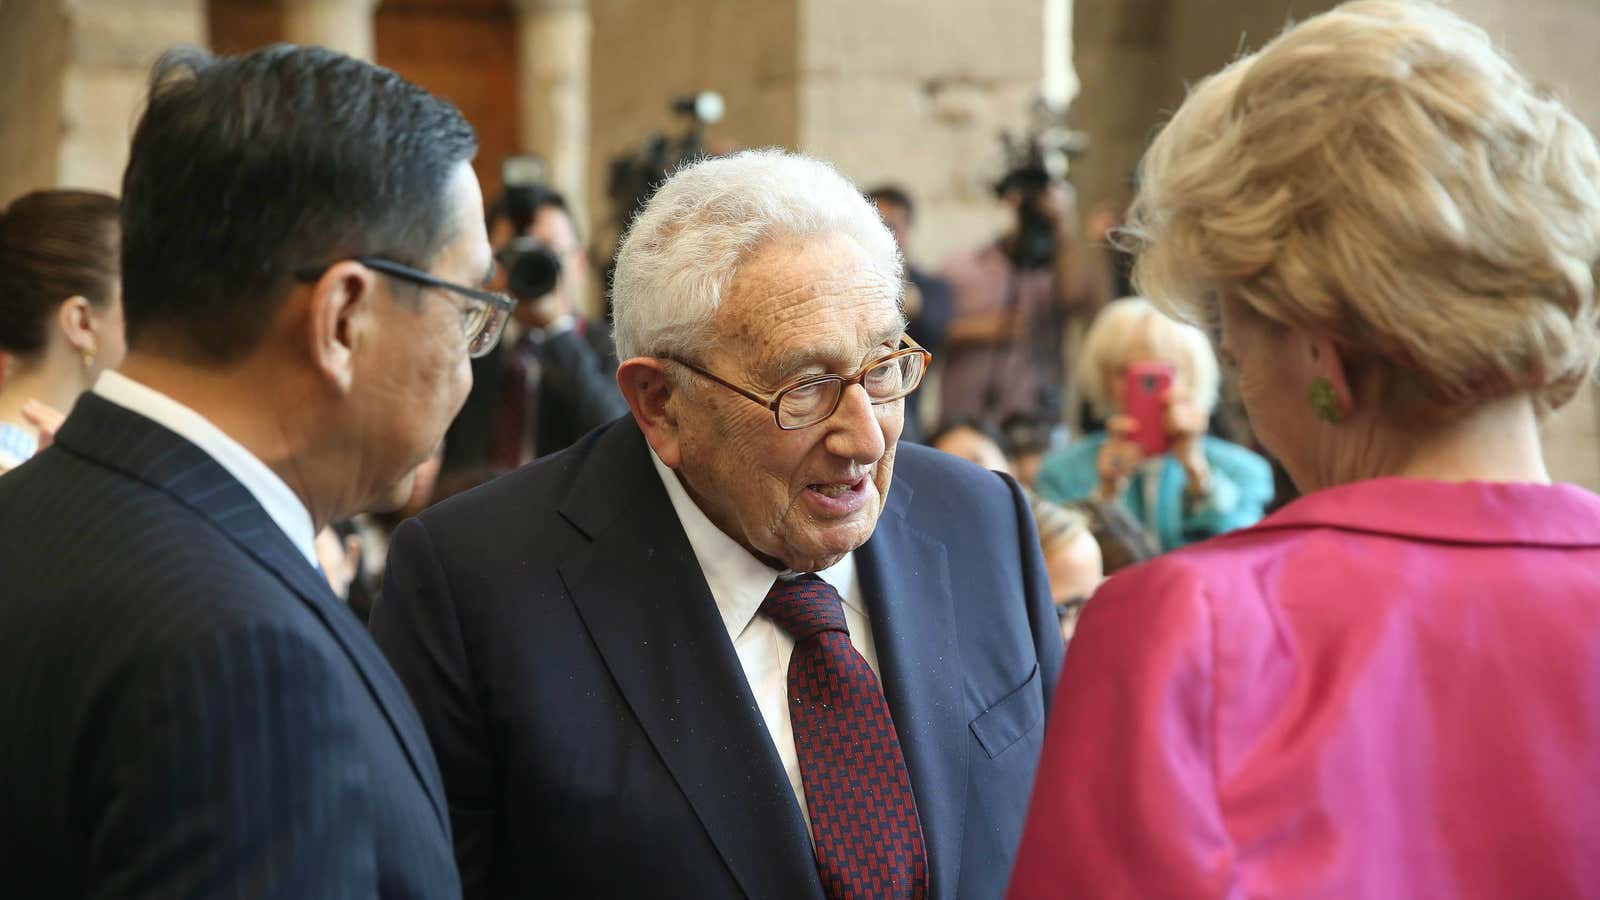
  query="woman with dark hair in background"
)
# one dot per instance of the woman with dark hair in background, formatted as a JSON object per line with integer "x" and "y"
{"x": 60, "y": 311}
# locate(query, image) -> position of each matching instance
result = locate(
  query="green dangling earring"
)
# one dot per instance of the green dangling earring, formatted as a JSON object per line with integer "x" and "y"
{"x": 1324, "y": 402}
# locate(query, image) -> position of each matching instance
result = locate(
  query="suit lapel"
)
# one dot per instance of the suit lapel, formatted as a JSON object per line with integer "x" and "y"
{"x": 642, "y": 597}
{"x": 905, "y": 575}
{"x": 127, "y": 442}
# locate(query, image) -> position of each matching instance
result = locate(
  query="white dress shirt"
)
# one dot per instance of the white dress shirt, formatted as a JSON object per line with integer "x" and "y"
{"x": 739, "y": 582}
{"x": 280, "y": 503}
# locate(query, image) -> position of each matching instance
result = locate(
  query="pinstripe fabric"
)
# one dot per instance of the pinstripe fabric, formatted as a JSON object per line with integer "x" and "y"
{"x": 185, "y": 709}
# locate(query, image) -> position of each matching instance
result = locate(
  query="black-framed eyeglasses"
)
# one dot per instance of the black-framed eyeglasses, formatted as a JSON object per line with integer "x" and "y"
{"x": 811, "y": 399}
{"x": 482, "y": 319}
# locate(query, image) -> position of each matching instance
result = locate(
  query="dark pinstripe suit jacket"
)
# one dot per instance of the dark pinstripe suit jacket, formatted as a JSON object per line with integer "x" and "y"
{"x": 186, "y": 710}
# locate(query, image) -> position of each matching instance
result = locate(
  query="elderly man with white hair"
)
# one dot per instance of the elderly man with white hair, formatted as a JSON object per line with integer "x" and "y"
{"x": 707, "y": 651}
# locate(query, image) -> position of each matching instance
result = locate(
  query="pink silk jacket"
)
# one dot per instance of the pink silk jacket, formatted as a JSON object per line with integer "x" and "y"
{"x": 1389, "y": 689}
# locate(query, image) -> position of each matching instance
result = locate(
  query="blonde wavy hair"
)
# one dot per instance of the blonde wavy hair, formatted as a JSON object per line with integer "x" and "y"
{"x": 1383, "y": 176}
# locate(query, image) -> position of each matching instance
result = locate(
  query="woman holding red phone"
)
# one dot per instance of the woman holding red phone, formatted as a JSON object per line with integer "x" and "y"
{"x": 1155, "y": 380}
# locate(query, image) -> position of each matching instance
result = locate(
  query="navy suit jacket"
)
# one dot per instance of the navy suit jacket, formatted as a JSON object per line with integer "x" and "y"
{"x": 597, "y": 734}
{"x": 186, "y": 710}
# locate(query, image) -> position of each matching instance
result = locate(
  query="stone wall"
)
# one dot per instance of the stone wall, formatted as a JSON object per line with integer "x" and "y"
{"x": 917, "y": 93}
{"x": 892, "y": 90}
{"x": 75, "y": 74}
{"x": 1554, "y": 42}
{"x": 33, "y": 53}
{"x": 1137, "y": 58}
{"x": 113, "y": 44}
{"x": 646, "y": 52}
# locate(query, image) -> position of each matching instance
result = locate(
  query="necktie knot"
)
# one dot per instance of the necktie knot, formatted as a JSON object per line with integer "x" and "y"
{"x": 804, "y": 607}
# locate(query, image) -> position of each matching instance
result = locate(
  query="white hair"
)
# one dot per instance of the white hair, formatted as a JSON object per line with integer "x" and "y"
{"x": 1116, "y": 330}
{"x": 678, "y": 258}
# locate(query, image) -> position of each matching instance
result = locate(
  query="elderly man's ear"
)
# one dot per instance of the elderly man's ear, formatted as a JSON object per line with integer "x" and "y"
{"x": 648, "y": 388}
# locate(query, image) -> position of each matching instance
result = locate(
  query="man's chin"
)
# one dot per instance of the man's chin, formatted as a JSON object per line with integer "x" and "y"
{"x": 825, "y": 550}
{"x": 396, "y": 496}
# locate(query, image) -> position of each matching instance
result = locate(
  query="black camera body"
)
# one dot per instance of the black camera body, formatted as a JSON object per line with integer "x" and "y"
{"x": 1036, "y": 244}
{"x": 1034, "y": 161}
{"x": 532, "y": 268}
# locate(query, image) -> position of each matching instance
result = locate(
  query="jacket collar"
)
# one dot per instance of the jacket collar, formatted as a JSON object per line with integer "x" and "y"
{"x": 1474, "y": 512}
{"x": 127, "y": 442}
{"x": 640, "y": 593}
{"x": 645, "y": 601}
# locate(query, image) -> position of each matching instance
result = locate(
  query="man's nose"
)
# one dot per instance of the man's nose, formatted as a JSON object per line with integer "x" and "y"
{"x": 853, "y": 429}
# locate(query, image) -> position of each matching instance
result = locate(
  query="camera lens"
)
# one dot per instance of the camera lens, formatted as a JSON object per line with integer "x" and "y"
{"x": 532, "y": 269}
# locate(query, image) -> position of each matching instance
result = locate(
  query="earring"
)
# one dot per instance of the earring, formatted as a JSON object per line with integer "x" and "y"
{"x": 88, "y": 360}
{"x": 1324, "y": 402}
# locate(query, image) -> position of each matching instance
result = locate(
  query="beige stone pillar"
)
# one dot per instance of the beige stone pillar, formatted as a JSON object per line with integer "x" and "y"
{"x": 553, "y": 38}
{"x": 343, "y": 25}
{"x": 110, "y": 48}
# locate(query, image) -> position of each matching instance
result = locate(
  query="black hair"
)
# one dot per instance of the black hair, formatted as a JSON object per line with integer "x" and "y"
{"x": 520, "y": 205}
{"x": 53, "y": 245}
{"x": 245, "y": 169}
{"x": 894, "y": 196}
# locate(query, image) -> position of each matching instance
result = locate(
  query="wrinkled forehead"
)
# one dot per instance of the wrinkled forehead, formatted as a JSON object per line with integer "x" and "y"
{"x": 803, "y": 300}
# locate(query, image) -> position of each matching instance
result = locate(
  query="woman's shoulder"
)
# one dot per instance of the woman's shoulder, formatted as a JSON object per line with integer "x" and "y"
{"x": 1230, "y": 566}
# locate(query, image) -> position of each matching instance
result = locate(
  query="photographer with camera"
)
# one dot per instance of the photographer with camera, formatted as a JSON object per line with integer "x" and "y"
{"x": 1013, "y": 297}
{"x": 550, "y": 381}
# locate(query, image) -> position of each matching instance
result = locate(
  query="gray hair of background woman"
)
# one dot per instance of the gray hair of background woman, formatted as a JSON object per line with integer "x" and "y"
{"x": 677, "y": 260}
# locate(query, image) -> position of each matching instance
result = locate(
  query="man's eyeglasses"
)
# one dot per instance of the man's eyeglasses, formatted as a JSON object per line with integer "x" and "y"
{"x": 483, "y": 316}
{"x": 809, "y": 400}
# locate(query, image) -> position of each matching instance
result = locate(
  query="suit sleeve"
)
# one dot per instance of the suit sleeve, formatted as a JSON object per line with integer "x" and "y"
{"x": 1046, "y": 628}
{"x": 1125, "y": 804}
{"x": 235, "y": 772}
{"x": 416, "y": 624}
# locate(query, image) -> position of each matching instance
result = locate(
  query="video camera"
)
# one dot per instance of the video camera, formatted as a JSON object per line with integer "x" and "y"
{"x": 532, "y": 268}
{"x": 1034, "y": 162}
{"x": 636, "y": 176}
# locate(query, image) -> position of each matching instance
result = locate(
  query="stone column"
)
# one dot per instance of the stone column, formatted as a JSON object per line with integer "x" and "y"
{"x": 553, "y": 38}
{"x": 110, "y": 48}
{"x": 343, "y": 25}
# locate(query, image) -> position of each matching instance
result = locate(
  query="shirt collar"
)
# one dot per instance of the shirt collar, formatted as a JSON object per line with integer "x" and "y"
{"x": 280, "y": 503}
{"x": 739, "y": 582}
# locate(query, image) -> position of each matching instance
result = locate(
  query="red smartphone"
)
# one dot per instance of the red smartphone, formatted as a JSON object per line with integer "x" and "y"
{"x": 1144, "y": 399}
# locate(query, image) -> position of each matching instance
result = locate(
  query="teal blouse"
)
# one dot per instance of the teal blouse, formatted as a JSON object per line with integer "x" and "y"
{"x": 1241, "y": 488}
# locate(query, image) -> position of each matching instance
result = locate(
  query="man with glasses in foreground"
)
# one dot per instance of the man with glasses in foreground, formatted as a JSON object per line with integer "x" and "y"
{"x": 707, "y": 651}
{"x": 189, "y": 710}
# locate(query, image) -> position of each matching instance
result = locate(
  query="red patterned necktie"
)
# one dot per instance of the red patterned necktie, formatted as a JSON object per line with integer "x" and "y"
{"x": 863, "y": 816}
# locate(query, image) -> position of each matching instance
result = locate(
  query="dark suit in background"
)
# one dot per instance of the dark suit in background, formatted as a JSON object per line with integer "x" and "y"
{"x": 574, "y": 392}
{"x": 596, "y": 731}
{"x": 168, "y": 661}
{"x": 928, "y": 327}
